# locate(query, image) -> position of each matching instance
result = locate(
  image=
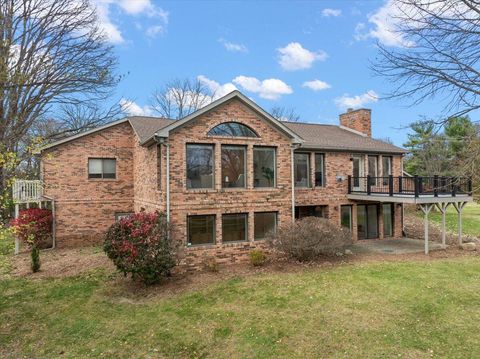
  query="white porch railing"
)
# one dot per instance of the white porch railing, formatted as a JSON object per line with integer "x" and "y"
{"x": 27, "y": 191}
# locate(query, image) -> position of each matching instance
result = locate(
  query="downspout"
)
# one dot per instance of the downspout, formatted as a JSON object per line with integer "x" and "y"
{"x": 162, "y": 141}
{"x": 167, "y": 146}
{"x": 293, "y": 147}
{"x": 403, "y": 205}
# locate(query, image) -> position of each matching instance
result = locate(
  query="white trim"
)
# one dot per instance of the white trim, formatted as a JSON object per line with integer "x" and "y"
{"x": 86, "y": 133}
{"x": 164, "y": 132}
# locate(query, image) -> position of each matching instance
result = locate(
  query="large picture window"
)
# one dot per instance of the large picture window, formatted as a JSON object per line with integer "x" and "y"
{"x": 319, "y": 170}
{"x": 234, "y": 166}
{"x": 201, "y": 229}
{"x": 234, "y": 227}
{"x": 232, "y": 129}
{"x": 386, "y": 168}
{"x": 102, "y": 168}
{"x": 264, "y": 164}
{"x": 265, "y": 222}
{"x": 373, "y": 169}
{"x": 302, "y": 169}
{"x": 200, "y": 166}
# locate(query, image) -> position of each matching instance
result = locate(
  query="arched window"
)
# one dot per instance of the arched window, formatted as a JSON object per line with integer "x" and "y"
{"x": 232, "y": 129}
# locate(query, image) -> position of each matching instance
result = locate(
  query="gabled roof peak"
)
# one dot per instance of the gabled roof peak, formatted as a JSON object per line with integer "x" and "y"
{"x": 164, "y": 132}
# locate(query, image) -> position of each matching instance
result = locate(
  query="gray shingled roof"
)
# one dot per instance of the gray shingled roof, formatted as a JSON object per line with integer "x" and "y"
{"x": 145, "y": 127}
{"x": 331, "y": 137}
{"x": 318, "y": 136}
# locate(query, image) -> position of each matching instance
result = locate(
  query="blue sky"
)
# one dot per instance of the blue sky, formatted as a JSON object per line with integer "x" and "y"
{"x": 310, "y": 56}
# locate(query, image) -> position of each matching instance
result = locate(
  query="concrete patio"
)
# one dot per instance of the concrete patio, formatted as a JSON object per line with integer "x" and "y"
{"x": 392, "y": 246}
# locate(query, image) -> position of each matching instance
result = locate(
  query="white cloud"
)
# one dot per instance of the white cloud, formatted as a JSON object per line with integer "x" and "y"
{"x": 110, "y": 30}
{"x": 384, "y": 25}
{"x": 143, "y": 7}
{"x": 131, "y": 108}
{"x": 232, "y": 47}
{"x": 331, "y": 12}
{"x": 316, "y": 85}
{"x": 155, "y": 30}
{"x": 217, "y": 89}
{"x": 295, "y": 57}
{"x": 347, "y": 101}
{"x": 270, "y": 89}
{"x": 133, "y": 8}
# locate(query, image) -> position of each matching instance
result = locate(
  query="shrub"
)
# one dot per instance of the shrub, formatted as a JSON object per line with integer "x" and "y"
{"x": 140, "y": 245}
{"x": 210, "y": 264}
{"x": 310, "y": 237}
{"x": 257, "y": 258}
{"x": 34, "y": 227}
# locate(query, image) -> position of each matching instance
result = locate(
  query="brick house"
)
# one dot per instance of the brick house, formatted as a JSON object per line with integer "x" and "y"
{"x": 225, "y": 175}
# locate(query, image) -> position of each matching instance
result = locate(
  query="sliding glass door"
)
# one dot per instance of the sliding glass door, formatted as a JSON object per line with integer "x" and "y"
{"x": 367, "y": 221}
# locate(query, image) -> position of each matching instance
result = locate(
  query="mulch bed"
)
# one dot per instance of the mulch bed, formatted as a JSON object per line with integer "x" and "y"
{"x": 61, "y": 263}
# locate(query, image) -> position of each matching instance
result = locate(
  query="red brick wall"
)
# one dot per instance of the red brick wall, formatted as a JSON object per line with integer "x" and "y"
{"x": 216, "y": 201}
{"x": 148, "y": 195}
{"x": 85, "y": 208}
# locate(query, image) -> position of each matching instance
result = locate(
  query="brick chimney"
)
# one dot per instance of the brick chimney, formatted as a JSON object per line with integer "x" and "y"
{"x": 359, "y": 120}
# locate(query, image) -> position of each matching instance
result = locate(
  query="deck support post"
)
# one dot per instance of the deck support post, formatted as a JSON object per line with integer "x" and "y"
{"x": 17, "y": 241}
{"x": 442, "y": 207}
{"x": 426, "y": 208}
{"x": 459, "y": 207}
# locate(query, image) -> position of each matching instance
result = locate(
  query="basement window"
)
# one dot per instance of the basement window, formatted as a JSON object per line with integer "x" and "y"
{"x": 103, "y": 168}
{"x": 201, "y": 230}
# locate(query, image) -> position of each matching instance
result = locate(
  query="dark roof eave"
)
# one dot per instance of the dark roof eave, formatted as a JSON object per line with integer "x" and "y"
{"x": 398, "y": 151}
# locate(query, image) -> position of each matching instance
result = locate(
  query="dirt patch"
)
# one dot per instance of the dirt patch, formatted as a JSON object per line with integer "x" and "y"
{"x": 62, "y": 262}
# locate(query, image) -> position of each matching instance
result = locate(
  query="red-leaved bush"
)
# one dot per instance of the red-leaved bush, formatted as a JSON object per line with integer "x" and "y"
{"x": 33, "y": 224}
{"x": 140, "y": 245}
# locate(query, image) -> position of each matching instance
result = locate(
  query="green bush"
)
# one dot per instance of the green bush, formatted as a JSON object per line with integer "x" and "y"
{"x": 257, "y": 257}
{"x": 35, "y": 255}
{"x": 140, "y": 245}
{"x": 309, "y": 238}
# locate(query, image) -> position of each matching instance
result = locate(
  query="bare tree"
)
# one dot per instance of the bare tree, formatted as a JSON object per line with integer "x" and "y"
{"x": 470, "y": 160}
{"x": 53, "y": 56}
{"x": 285, "y": 114}
{"x": 440, "y": 53}
{"x": 179, "y": 98}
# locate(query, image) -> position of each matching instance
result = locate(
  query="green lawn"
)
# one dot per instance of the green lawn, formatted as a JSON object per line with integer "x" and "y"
{"x": 409, "y": 309}
{"x": 470, "y": 219}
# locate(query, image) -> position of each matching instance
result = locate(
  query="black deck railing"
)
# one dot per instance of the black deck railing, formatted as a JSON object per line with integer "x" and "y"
{"x": 412, "y": 186}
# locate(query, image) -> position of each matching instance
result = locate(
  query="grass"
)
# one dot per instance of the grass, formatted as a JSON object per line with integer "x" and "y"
{"x": 401, "y": 309}
{"x": 7, "y": 246}
{"x": 470, "y": 219}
